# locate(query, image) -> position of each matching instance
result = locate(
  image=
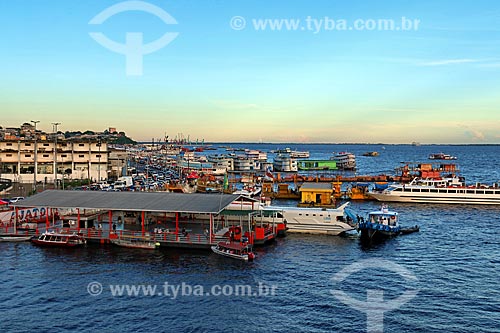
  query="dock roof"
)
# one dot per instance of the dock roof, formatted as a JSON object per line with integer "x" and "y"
{"x": 131, "y": 201}
{"x": 311, "y": 186}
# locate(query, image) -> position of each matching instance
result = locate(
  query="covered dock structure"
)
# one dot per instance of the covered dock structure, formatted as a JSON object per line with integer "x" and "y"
{"x": 172, "y": 219}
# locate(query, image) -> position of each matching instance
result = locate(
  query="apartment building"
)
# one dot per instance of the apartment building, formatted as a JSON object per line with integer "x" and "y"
{"x": 27, "y": 159}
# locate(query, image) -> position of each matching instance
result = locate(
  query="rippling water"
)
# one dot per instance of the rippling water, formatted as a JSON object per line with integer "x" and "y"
{"x": 455, "y": 259}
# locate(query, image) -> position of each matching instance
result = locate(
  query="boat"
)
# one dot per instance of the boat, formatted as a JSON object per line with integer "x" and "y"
{"x": 371, "y": 154}
{"x": 136, "y": 243}
{"x": 59, "y": 239}
{"x": 383, "y": 224}
{"x": 235, "y": 250}
{"x": 285, "y": 163}
{"x": 324, "y": 221}
{"x": 14, "y": 238}
{"x": 449, "y": 190}
{"x": 441, "y": 156}
{"x": 344, "y": 160}
{"x": 292, "y": 153}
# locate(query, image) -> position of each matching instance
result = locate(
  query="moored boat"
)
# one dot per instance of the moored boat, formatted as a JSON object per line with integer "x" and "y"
{"x": 316, "y": 220}
{"x": 380, "y": 224}
{"x": 14, "y": 238}
{"x": 449, "y": 190}
{"x": 235, "y": 250}
{"x": 59, "y": 239}
{"x": 136, "y": 243}
{"x": 345, "y": 160}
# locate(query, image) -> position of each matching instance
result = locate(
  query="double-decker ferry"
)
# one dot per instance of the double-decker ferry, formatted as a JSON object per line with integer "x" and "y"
{"x": 449, "y": 190}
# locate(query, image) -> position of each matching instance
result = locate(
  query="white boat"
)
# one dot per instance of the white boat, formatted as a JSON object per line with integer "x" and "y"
{"x": 14, "y": 238}
{"x": 449, "y": 190}
{"x": 344, "y": 160}
{"x": 292, "y": 153}
{"x": 285, "y": 163}
{"x": 316, "y": 220}
{"x": 441, "y": 156}
{"x": 136, "y": 243}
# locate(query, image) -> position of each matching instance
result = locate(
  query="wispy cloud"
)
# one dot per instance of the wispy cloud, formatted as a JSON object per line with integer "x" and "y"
{"x": 447, "y": 62}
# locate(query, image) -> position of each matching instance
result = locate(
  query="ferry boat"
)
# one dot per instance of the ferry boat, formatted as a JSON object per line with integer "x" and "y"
{"x": 292, "y": 153}
{"x": 134, "y": 243}
{"x": 441, "y": 156}
{"x": 285, "y": 163}
{"x": 235, "y": 250}
{"x": 450, "y": 190}
{"x": 316, "y": 220}
{"x": 59, "y": 239}
{"x": 344, "y": 160}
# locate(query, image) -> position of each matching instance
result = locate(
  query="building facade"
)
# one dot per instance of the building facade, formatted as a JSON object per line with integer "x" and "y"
{"x": 45, "y": 159}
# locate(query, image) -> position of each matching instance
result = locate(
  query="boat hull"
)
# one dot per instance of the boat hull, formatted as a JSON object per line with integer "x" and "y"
{"x": 14, "y": 238}
{"x": 56, "y": 244}
{"x": 429, "y": 198}
{"x": 230, "y": 255}
{"x": 149, "y": 245}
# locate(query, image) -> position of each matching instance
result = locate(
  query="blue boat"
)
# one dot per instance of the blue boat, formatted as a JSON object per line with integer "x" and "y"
{"x": 383, "y": 224}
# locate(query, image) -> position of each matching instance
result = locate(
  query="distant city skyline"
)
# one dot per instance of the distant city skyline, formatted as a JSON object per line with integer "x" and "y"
{"x": 224, "y": 78}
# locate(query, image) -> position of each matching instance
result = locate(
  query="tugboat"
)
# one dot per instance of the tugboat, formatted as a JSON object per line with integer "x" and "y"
{"x": 383, "y": 224}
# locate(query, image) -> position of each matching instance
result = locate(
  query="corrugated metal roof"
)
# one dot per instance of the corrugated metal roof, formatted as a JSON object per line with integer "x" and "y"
{"x": 131, "y": 201}
{"x": 316, "y": 186}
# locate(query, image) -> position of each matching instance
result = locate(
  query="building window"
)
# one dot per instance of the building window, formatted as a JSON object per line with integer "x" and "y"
{"x": 27, "y": 155}
{"x": 27, "y": 144}
{"x": 9, "y": 144}
{"x": 98, "y": 156}
{"x": 81, "y": 144}
{"x": 81, "y": 156}
{"x": 9, "y": 155}
{"x": 45, "y": 155}
{"x": 45, "y": 144}
{"x": 64, "y": 155}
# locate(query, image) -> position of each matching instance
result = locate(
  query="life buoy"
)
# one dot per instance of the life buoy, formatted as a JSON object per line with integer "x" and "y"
{"x": 237, "y": 230}
{"x": 393, "y": 217}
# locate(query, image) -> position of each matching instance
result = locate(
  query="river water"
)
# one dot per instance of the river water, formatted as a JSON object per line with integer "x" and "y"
{"x": 443, "y": 279}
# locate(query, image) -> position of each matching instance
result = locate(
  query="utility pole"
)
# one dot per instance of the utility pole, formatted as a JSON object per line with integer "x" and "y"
{"x": 54, "y": 128}
{"x": 35, "y": 164}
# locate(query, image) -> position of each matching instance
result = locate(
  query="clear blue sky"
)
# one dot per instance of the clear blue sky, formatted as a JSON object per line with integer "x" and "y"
{"x": 438, "y": 84}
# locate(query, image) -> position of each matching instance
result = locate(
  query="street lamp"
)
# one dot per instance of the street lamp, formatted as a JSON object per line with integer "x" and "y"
{"x": 54, "y": 128}
{"x": 99, "y": 159}
{"x": 35, "y": 161}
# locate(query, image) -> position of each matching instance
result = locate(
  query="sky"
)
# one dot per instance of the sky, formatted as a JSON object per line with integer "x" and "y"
{"x": 328, "y": 75}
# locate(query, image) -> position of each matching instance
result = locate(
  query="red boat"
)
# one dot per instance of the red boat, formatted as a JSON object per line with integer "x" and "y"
{"x": 59, "y": 239}
{"x": 235, "y": 250}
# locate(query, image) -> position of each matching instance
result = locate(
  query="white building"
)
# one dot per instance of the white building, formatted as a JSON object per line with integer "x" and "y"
{"x": 73, "y": 158}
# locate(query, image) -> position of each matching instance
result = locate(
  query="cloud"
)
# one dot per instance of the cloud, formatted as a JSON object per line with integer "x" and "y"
{"x": 447, "y": 62}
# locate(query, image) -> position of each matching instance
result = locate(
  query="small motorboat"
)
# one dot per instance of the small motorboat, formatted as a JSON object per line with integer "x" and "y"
{"x": 371, "y": 154}
{"x": 54, "y": 239}
{"x": 14, "y": 238}
{"x": 383, "y": 224}
{"x": 136, "y": 243}
{"x": 235, "y": 250}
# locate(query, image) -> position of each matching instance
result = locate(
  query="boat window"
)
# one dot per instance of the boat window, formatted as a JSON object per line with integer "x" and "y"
{"x": 434, "y": 190}
{"x": 307, "y": 214}
{"x": 452, "y": 191}
{"x": 470, "y": 191}
{"x": 424, "y": 190}
{"x": 479, "y": 192}
{"x": 488, "y": 192}
{"x": 314, "y": 214}
{"x": 399, "y": 189}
